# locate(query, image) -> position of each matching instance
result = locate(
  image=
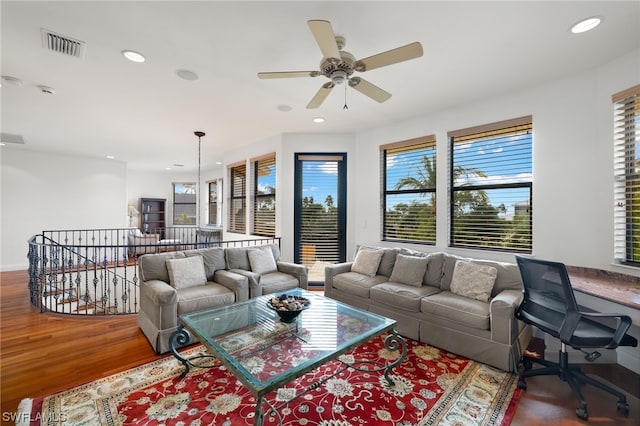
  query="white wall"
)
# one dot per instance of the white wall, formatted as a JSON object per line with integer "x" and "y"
{"x": 572, "y": 163}
{"x": 45, "y": 191}
{"x": 572, "y": 189}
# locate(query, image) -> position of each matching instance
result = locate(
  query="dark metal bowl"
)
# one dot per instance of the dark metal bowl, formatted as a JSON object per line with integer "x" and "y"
{"x": 288, "y": 315}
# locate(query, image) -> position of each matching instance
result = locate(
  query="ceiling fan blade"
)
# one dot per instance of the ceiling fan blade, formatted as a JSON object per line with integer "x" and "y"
{"x": 323, "y": 33}
{"x": 320, "y": 96}
{"x": 368, "y": 89}
{"x": 393, "y": 56}
{"x": 287, "y": 74}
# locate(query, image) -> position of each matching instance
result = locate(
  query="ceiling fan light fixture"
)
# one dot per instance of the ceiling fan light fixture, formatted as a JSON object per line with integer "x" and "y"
{"x": 338, "y": 77}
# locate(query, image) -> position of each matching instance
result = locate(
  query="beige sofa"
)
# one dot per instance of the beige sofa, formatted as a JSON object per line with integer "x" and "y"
{"x": 464, "y": 306}
{"x": 179, "y": 282}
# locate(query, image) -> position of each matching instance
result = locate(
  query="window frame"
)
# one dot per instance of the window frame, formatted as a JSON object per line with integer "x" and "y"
{"x": 215, "y": 206}
{"x": 237, "y": 176}
{"x": 626, "y": 144}
{"x": 256, "y": 163}
{"x": 176, "y": 203}
{"x": 415, "y": 146}
{"x": 485, "y": 133}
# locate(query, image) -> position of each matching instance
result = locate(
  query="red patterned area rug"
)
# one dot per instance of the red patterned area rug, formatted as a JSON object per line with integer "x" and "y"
{"x": 431, "y": 387}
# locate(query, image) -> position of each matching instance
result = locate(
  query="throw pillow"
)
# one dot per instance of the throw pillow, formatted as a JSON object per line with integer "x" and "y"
{"x": 409, "y": 270}
{"x": 367, "y": 262}
{"x": 186, "y": 272}
{"x": 262, "y": 261}
{"x": 473, "y": 280}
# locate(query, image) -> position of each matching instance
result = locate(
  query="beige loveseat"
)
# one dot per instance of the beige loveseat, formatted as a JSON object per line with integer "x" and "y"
{"x": 179, "y": 282}
{"x": 464, "y": 306}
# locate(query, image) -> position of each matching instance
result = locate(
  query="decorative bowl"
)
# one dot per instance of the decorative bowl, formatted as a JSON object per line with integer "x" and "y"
{"x": 288, "y": 306}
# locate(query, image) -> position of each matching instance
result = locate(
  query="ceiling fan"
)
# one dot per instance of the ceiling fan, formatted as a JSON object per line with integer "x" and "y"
{"x": 338, "y": 65}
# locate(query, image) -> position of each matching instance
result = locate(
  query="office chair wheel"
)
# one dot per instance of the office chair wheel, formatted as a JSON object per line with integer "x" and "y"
{"x": 527, "y": 364}
{"x": 522, "y": 384}
{"x": 582, "y": 413}
{"x": 623, "y": 407}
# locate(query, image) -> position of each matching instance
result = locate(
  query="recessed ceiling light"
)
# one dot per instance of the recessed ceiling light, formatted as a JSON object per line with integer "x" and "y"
{"x": 133, "y": 56}
{"x": 218, "y": 162}
{"x": 110, "y": 157}
{"x": 284, "y": 108}
{"x": 167, "y": 168}
{"x": 586, "y": 25}
{"x": 318, "y": 119}
{"x": 187, "y": 75}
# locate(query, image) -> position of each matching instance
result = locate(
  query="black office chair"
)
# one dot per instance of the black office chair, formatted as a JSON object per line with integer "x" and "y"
{"x": 550, "y": 305}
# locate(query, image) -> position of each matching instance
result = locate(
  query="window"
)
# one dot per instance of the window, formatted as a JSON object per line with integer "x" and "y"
{"x": 409, "y": 190}
{"x": 215, "y": 198}
{"x": 627, "y": 176}
{"x": 184, "y": 203}
{"x": 491, "y": 186}
{"x": 320, "y": 211}
{"x": 237, "y": 205}
{"x": 264, "y": 196}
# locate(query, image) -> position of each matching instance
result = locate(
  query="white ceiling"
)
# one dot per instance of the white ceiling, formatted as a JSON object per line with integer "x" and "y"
{"x": 145, "y": 115}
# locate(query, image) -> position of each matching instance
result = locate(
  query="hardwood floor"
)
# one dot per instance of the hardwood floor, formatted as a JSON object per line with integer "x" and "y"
{"x": 45, "y": 353}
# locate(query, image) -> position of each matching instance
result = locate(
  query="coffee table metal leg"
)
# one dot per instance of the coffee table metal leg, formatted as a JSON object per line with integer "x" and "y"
{"x": 181, "y": 337}
{"x": 261, "y": 414}
{"x": 394, "y": 342}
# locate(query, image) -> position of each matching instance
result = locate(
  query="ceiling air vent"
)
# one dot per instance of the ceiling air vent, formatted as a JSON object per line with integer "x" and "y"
{"x": 62, "y": 44}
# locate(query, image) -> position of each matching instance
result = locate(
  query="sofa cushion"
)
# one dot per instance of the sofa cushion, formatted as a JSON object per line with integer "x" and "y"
{"x": 367, "y": 262}
{"x": 434, "y": 269}
{"x": 433, "y": 274}
{"x": 186, "y": 272}
{"x": 409, "y": 270}
{"x": 210, "y": 295}
{"x": 356, "y": 284}
{"x": 277, "y": 281}
{"x": 401, "y": 296}
{"x": 213, "y": 259}
{"x": 261, "y": 260}
{"x": 154, "y": 267}
{"x": 473, "y": 280}
{"x": 507, "y": 277}
{"x": 459, "y": 309}
{"x": 275, "y": 249}
{"x": 388, "y": 258}
{"x": 237, "y": 258}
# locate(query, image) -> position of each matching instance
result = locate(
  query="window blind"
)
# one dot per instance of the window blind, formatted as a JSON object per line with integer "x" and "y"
{"x": 184, "y": 203}
{"x": 408, "y": 172}
{"x": 627, "y": 176}
{"x": 320, "y": 210}
{"x": 237, "y": 204}
{"x": 491, "y": 186}
{"x": 264, "y": 196}
{"x": 213, "y": 202}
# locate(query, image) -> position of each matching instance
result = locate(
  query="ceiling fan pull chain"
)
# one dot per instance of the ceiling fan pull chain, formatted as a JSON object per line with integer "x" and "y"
{"x": 345, "y": 96}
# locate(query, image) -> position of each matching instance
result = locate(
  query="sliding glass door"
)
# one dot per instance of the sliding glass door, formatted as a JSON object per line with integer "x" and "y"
{"x": 320, "y": 211}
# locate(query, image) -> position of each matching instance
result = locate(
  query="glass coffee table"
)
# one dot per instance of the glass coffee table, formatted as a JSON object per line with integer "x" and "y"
{"x": 265, "y": 353}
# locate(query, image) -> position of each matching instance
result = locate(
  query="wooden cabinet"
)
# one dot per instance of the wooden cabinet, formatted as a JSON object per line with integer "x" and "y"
{"x": 153, "y": 215}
